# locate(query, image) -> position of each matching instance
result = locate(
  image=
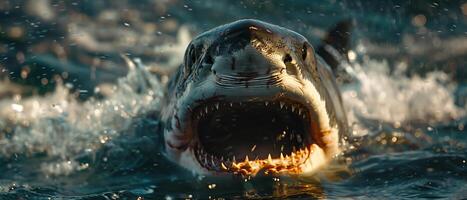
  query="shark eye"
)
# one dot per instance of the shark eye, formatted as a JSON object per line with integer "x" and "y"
{"x": 209, "y": 60}
{"x": 304, "y": 51}
{"x": 287, "y": 58}
{"x": 190, "y": 59}
{"x": 193, "y": 55}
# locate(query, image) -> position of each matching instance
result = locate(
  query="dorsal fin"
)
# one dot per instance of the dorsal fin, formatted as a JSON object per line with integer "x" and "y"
{"x": 336, "y": 44}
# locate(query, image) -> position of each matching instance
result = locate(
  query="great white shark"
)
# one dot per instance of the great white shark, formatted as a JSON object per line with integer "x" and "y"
{"x": 254, "y": 97}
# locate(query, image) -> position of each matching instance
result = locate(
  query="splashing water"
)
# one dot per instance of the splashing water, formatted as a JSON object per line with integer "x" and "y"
{"x": 398, "y": 99}
{"x": 60, "y": 126}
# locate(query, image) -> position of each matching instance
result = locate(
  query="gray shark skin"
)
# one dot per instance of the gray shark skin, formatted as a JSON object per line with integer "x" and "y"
{"x": 252, "y": 90}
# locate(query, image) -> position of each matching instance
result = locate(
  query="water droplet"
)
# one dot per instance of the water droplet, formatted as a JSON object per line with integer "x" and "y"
{"x": 17, "y": 107}
{"x": 212, "y": 186}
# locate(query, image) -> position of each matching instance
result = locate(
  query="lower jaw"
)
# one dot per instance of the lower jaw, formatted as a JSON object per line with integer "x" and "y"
{"x": 278, "y": 166}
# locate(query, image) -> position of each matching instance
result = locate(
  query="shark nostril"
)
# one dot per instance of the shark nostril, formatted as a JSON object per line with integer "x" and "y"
{"x": 304, "y": 51}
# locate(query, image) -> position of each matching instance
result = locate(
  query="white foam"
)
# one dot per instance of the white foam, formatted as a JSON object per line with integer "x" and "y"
{"x": 396, "y": 98}
{"x": 60, "y": 126}
{"x": 63, "y": 128}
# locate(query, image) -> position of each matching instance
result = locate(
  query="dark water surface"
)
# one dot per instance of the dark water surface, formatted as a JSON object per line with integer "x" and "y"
{"x": 77, "y": 123}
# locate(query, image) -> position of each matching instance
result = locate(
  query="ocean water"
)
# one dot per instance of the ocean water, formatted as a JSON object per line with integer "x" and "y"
{"x": 79, "y": 122}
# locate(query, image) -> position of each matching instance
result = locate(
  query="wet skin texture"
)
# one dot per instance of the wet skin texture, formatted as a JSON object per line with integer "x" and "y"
{"x": 257, "y": 90}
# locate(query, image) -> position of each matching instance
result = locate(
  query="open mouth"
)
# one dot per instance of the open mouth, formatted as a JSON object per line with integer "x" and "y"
{"x": 248, "y": 137}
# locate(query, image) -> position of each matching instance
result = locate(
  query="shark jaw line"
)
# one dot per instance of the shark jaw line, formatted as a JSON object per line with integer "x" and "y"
{"x": 248, "y": 137}
{"x": 322, "y": 139}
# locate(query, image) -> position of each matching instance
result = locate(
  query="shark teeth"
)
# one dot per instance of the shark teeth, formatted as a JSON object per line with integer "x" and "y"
{"x": 206, "y": 109}
{"x": 290, "y": 163}
{"x": 252, "y": 165}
